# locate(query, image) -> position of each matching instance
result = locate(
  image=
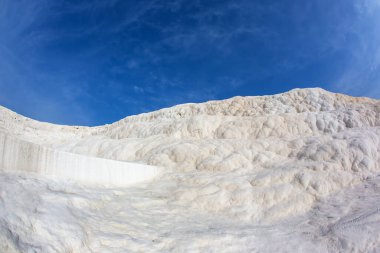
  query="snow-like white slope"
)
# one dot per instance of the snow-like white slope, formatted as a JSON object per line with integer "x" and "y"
{"x": 247, "y": 174}
{"x": 25, "y": 156}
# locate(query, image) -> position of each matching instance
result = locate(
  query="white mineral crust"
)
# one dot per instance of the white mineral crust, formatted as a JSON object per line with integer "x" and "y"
{"x": 293, "y": 172}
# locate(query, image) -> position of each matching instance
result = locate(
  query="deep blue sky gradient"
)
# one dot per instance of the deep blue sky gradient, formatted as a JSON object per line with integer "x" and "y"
{"x": 95, "y": 62}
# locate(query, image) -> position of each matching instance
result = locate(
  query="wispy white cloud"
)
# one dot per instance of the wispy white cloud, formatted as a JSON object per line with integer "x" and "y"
{"x": 152, "y": 53}
{"x": 361, "y": 76}
{"x": 208, "y": 25}
{"x": 23, "y": 85}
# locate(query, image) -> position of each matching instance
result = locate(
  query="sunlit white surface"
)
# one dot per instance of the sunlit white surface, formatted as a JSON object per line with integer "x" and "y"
{"x": 294, "y": 172}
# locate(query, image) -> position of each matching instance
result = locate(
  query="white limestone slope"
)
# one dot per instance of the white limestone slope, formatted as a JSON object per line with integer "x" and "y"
{"x": 246, "y": 174}
{"x": 25, "y": 156}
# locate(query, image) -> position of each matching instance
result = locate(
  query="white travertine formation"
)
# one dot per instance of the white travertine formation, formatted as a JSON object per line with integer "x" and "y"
{"x": 25, "y": 156}
{"x": 293, "y": 172}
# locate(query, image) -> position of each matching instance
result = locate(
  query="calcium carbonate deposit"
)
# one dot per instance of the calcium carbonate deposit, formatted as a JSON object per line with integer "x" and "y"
{"x": 293, "y": 172}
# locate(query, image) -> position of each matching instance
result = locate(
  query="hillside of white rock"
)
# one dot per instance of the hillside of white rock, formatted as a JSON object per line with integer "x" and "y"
{"x": 293, "y": 172}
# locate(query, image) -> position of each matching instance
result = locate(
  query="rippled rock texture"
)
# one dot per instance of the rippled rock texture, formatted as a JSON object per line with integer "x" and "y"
{"x": 292, "y": 172}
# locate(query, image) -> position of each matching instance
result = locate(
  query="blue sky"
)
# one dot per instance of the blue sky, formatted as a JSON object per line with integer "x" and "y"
{"x": 94, "y": 62}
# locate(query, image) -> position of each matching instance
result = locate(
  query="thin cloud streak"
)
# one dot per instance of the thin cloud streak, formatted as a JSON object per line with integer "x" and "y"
{"x": 60, "y": 60}
{"x": 361, "y": 76}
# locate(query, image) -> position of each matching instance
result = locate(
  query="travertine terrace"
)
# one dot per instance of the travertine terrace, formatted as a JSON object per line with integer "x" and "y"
{"x": 292, "y": 172}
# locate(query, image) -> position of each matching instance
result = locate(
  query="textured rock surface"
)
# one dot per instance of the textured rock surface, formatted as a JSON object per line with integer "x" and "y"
{"x": 242, "y": 174}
